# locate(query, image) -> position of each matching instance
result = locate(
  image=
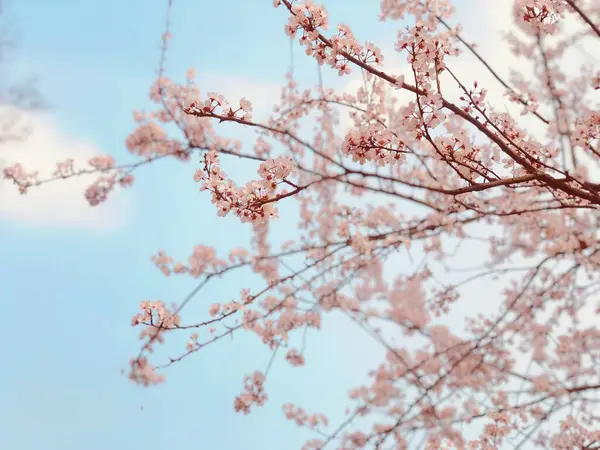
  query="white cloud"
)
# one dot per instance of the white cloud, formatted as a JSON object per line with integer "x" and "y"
{"x": 61, "y": 203}
{"x": 262, "y": 95}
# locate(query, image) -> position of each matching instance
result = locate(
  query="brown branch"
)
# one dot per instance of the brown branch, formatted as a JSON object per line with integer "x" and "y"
{"x": 586, "y": 19}
{"x": 492, "y": 71}
{"x": 551, "y": 181}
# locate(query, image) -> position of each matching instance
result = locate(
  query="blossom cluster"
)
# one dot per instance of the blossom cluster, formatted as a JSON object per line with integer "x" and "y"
{"x": 254, "y": 393}
{"x": 541, "y": 15}
{"x": 254, "y": 202}
{"x": 309, "y": 18}
{"x": 373, "y": 143}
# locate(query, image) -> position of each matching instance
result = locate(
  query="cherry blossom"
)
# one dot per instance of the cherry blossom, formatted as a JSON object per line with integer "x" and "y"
{"x": 427, "y": 162}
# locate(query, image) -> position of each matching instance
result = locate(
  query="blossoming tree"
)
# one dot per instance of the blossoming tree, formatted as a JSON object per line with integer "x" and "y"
{"x": 465, "y": 164}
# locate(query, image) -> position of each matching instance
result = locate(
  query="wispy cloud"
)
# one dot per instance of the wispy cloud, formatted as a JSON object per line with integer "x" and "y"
{"x": 61, "y": 203}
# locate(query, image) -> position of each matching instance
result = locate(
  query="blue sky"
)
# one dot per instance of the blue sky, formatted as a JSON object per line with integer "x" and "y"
{"x": 69, "y": 292}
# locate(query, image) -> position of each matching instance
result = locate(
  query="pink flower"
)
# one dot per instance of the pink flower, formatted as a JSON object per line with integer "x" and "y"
{"x": 294, "y": 357}
{"x": 214, "y": 309}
